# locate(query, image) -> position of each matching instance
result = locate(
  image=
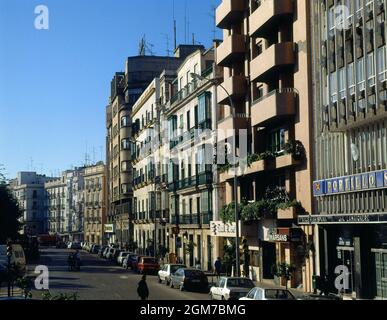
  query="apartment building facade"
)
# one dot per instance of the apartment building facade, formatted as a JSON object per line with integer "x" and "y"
{"x": 56, "y": 202}
{"x": 65, "y": 205}
{"x": 350, "y": 118}
{"x": 126, "y": 88}
{"x": 150, "y": 202}
{"x": 190, "y": 119}
{"x": 265, "y": 56}
{"x": 95, "y": 204}
{"x": 28, "y": 189}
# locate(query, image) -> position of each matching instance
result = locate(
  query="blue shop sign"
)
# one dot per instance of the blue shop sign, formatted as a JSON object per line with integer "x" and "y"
{"x": 352, "y": 183}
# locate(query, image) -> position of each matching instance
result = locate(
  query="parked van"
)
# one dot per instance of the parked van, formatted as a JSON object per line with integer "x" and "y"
{"x": 18, "y": 258}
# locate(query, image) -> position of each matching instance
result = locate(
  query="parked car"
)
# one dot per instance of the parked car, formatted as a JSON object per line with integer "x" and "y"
{"x": 189, "y": 279}
{"x": 114, "y": 255}
{"x": 134, "y": 264}
{"x": 166, "y": 270}
{"x": 18, "y": 258}
{"x": 95, "y": 249}
{"x": 121, "y": 257}
{"x": 91, "y": 248}
{"x": 258, "y": 293}
{"x": 330, "y": 296}
{"x": 107, "y": 250}
{"x": 75, "y": 246}
{"x": 148, "y": 265}
{"x": 101, "y": 251}
{"x": 129, "y": 260}
{"x": 109, "y": 253}
{"x": 231, "y": 288}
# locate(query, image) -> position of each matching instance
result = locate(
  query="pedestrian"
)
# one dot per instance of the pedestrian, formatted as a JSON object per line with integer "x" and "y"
{"x": 218, "y": 267}
{"x": 142, "y": 289}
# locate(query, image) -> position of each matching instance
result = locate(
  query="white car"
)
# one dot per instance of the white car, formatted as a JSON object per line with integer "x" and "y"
{"x": 231, "y": 288}
{"x": 166, "y": 270}
{"x": 269, "y": 294}
{"x": 121, "y": 257}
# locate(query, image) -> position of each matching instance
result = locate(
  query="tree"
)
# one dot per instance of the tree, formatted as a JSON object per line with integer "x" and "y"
{"x": 10, "y": 212}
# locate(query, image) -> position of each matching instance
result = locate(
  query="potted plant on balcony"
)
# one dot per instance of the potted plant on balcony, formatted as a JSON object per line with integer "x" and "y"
{"x": 296, "y": 149}
{"x": 266, "y": 156}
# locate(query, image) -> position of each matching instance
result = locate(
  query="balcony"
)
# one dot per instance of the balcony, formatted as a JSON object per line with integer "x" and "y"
{"x": 287, "y": 214}
{"x": 272, "y": 59}
{"x": 233, "y": 47}
{"x": 228, "y": 12}
{"x": 268, "y": 14}
{"x": 278, "y": 104}
{"x": 236, "y": 87}
{"x": 242, "y": 121}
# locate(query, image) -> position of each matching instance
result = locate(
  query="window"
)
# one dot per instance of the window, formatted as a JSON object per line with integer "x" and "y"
{"x": 251, "y": 294}
{"x": 259, "y": 91}
{"x": 371, "y": 69}
{"x": 204, "y": 107}
{"x": 188, "y": 120}
{"x": 124, "y": 121}
{"x": 124, "y": 188}
{"x": 181, "y": 122}
{"x": 277, "y": 140}
{"x": 259, "y": 47}
{"x": 382, "y": 70}
{"x": 125, "y": 145}
{"x": 125, "y": 165}
{"x": 360, "y": 74}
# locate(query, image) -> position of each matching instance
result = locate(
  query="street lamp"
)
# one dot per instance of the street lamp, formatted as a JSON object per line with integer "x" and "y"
{"x": 216, "y": 82}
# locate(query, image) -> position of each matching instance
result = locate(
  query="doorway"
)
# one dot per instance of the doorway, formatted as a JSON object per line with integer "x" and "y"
{"x": 345, "y": 257}
{"x": 268, "y": 259}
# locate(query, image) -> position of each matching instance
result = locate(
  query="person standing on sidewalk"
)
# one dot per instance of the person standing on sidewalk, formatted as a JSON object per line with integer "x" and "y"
{"x": 142, "y": 289}
{"x": 218, "y": 267}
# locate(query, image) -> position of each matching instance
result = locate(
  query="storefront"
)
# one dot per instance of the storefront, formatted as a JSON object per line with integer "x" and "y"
{"x": 109, "y": 232}
{"x": 355, "y": 246}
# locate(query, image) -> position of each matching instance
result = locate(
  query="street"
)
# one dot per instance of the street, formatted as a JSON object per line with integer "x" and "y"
{"x": 101, "y": 280}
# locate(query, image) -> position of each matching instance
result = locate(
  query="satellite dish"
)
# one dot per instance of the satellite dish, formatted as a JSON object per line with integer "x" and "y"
{"x": 355, "y": 152}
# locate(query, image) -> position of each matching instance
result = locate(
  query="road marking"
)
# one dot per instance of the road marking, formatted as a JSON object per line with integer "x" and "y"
{"x": 124, "y": 277}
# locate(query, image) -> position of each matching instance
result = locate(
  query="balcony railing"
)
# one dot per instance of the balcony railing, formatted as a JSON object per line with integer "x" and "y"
{"x": 192, "y": 219}
{"x": 191, "y": 87}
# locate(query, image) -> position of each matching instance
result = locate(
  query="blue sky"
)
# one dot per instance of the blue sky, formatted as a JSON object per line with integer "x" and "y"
{"x": 51, "y": 81}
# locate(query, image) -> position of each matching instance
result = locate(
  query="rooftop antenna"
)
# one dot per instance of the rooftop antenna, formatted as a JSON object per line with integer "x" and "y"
{"x": 167, "y": 43}
{"x": 100, "y": 150}
{"x": 185, "y": 21}
{"x": 145, "y": 47}
{"x": 174, "y": 26}
{"x": 93, "y": 155}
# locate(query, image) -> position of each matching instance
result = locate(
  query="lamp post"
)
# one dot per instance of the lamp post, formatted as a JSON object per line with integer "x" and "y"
{"x": 216, "y": 82}
{"x": 9, "y": 256}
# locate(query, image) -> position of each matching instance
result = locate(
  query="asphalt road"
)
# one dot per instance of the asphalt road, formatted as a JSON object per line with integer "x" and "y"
{"x": 102, "y": 280}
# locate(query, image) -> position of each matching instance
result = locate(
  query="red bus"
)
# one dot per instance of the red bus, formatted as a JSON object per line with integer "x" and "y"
{"x": 47, "y": 240}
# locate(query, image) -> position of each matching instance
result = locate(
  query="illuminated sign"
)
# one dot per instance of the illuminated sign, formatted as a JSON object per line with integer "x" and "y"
{"x": 353, "y": 183}
{"x": 109, "y": 228}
